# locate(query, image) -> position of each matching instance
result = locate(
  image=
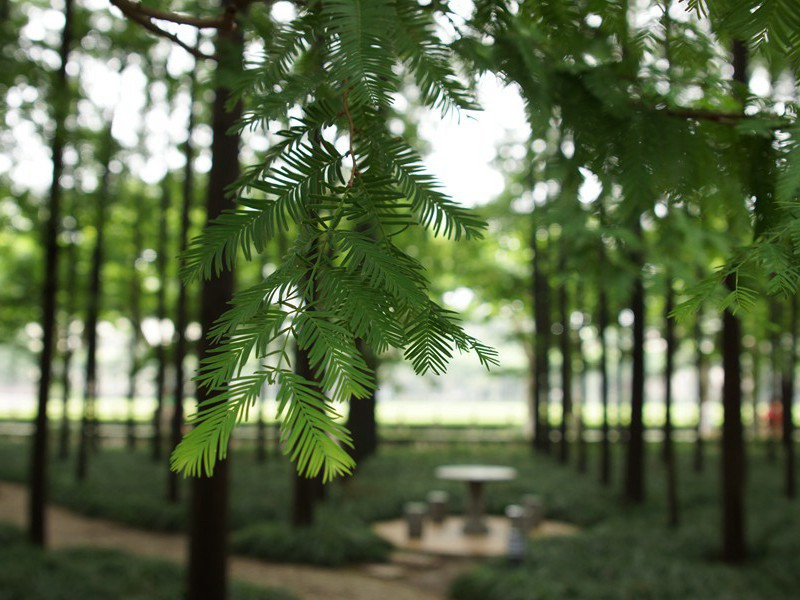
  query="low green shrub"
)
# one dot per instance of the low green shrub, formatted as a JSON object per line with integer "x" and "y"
{"x": 330, "y": 542}
{"x": 29, "y": 573}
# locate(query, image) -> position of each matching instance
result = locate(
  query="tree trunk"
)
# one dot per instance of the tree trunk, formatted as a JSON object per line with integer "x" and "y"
{"x": 702, "y": 394}
{"x": 361, "y": 418}
{"x": 634, "y": 472}
{"x": 580, "y": 413}
{"x": 787, "y": 404}
{"x": 66, "y": 382}
{"x": 669, "y": 448}
{"x": 89, "y": 421}
{"x": 605, "y": 442}
{"x": 161, "y": 314}
{"x": 733, "y": 536}
{"x": 208, "y": 520}
{"x": 38, "y": 473}
{"x": 541, "y": 294}
{"x": 181, "y": 310}
{"x": 566, "y": 365}
{"x": 136, "y": 325}
{"x": 305, "y": 490}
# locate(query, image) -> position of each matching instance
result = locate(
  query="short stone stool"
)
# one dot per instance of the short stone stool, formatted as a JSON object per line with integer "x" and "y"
{"x": 518, "y": 533}
{"x": 533, "y": 509}
{"x": 437, "y": 505}
{"x": 415, "y": 516}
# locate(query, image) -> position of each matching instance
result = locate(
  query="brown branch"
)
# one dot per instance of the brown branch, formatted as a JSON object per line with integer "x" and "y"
{"x": 352, "y": 127}
{"x": 226, "y": 21}
{"x": 725, "y": 118}
{"x": 145, "y": 22}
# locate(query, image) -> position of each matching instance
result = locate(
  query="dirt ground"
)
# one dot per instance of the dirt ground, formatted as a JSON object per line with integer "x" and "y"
{"x": 407, "y": 577}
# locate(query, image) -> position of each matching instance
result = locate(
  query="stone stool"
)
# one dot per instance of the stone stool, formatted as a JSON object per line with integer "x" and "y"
{"x": 533, "y": 508}
{"x": 415, "y": 516}
{"x": 437, "y": 505}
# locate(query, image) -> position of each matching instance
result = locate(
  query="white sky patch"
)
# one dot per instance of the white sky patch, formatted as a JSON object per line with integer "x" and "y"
{"x": 462, "y": 150}
{"x": 590, "y": 188}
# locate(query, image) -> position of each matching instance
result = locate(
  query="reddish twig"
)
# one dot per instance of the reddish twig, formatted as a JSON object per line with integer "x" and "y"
{"x": 352, "y": 131}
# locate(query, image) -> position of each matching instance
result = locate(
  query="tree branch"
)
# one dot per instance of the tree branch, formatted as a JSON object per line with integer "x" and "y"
{"x": 225, "y": 21}
{"x": 129, "y": 9}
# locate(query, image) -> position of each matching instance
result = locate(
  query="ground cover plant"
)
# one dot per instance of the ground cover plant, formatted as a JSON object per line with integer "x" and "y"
{"x": 29, "y": 573}
{"x": 620, "y": 552}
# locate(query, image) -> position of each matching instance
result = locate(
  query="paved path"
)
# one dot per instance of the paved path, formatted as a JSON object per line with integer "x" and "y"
{"x": 409, "y": 580}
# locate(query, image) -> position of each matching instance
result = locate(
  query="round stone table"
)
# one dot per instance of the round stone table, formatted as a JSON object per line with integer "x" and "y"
{"x": 475, "y": 476}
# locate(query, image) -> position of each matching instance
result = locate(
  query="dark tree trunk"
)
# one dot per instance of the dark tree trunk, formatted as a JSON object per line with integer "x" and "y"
{"x": 306, "y": 491}
{"x": 775, "y": 383}
{"x": 605, "y": 442}
{"x": 181, "y": 310}
{"x": 208, "y": 520}
{"x": 38, "y": 473}
{"x": 669, "y": 448}
{"x": 634, "y": 471}
{"x": 787, "y": 403}
{"x": 541, "y": 300}
{"x": 733, "y": 529}
{"x": 702, "y": 394}
{"x": 620, "y": 381}
{"x": 66, "y": 382}
{"x": 566, "y": 365}
{"x": 261, "y": 431}
{"x": 136, "y": 325}
{"x": 361, "y": 418}
{"x": 94, "y": 297}
{"x": 580, "y": 413}
{"x": 161, "y": 314}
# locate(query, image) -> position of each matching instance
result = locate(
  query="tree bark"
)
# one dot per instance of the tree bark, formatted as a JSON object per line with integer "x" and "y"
{"x": 66, "y": 382}
{"x": 38, "y": 472}
{"x": 634, "y": 471}
{"x": 787, "y": 404}
{"x": 361, "y": 417}
{"x": 181, "y": 310}
{"x": 566, "y": 365}
{"x": 701, "y": 363}
{"x": 541, "y": 300}
{"x": 161, "y": 314}
{"x": 208, "y": 520}
{"x": 94, "y": 297}
{"x": 669, "y": 448}
{"x": 605, "y": 442}
{"x": 136, "y": 333}
{"x": 734, "y": 548}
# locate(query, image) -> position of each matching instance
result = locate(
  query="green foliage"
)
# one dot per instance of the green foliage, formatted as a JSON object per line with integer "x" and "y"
{"x": 341, "y": 62}
{"x": 332, "y": 542}
{"x": 29, "y": 573}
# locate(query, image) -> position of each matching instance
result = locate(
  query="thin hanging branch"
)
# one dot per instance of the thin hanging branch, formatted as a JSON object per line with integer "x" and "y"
{"x": 225, "y": 21}
{"x": 144, "y": 16}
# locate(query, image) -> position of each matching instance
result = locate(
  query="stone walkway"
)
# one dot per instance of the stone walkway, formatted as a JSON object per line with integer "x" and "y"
{"x": 407, "y": 577}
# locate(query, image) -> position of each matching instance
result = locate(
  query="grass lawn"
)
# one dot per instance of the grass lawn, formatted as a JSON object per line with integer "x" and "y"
{"x": 28, "y": 573}
{"x": 622, "y": 552}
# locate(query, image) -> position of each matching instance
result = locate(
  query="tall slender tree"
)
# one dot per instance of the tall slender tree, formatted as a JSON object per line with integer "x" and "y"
{"x": 38, "y": 473}
{"x": 734, "y": 548}
{"x": 701, "y": 366}
{"x": 66, "y": 361}
{"x": 181, "y": 308}
{"x": 208, "y": 520}
{"x": 605, "y": 442}
{"x": 669, "y": 447}
{"x": 566, "y": 360}
{"x": 161, "y": 315}
{"x": 787, "y": 401}
{"x": 89, "y": 431}
{"x": 635, "y": 458}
